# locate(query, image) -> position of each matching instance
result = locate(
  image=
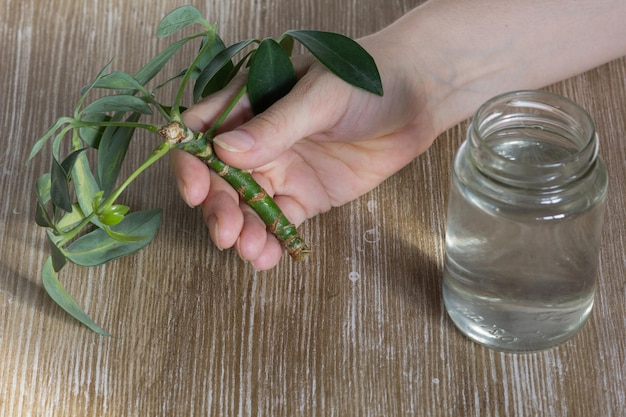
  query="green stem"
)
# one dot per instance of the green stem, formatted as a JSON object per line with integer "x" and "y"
{"x": 68, "y": 236}
{"x": 161, "y": 150}
{"x": 209, "y": 37}
{"x": 256, "y": 197}
{"x": 156, "y": 154}
{"x": 211, "y": 132}
{"x": 148, "y": 127}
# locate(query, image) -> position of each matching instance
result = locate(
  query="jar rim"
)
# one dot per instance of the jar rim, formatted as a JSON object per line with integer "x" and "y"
{"x": 563, "y": 124}
{"x": 538, "y": 98}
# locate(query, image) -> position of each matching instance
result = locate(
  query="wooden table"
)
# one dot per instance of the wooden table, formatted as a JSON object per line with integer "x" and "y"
{"x": 357, "y": 330}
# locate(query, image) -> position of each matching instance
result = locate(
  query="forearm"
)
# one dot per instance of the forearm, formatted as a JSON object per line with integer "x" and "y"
{"x": 471, "y": 50}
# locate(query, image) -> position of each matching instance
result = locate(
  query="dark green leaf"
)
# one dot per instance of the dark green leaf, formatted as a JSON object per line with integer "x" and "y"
{"x": 206, "y": 54}
{"x": 98, "y": 247}
{"x": 112, "y": 152}
{"x": 342, "y": 56}
{"x": 58, "y": 257}
{"x": 219, "y": 80}
{"x": 91, "y": 135}
{"x": 156, "y": 64}
{"x": 271, "y": 75}
{"x": 56, "y": 291}
{"x": 42, "y": 217}
{"x": 219, "y": 71}
{"x": 287, "y": 44}
{"x": 59, "y": 190}
{"x": 70, "y": 160}
{"x": 118, "y": 102}
{"x": 178, "y": 19}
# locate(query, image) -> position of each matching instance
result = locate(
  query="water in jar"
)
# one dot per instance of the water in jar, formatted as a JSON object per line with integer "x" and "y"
{"x": 519, "y": 273}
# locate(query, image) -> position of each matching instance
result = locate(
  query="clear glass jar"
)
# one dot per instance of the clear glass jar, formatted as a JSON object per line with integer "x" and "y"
{"x": 524, "y": 224}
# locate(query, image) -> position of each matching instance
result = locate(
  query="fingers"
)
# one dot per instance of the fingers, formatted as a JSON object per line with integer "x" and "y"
{"x": 192, "y": 177}
{"x": 314, "y": 105}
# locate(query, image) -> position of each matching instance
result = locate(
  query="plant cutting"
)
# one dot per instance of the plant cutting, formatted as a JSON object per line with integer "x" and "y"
{"x": 78, "y": 200}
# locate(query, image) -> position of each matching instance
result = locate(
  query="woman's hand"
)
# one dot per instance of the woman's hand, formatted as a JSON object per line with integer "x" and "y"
{"x": 324, "y": 144}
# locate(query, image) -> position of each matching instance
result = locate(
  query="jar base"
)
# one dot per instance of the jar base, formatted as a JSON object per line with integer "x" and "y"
{"x": 514, "y": 326}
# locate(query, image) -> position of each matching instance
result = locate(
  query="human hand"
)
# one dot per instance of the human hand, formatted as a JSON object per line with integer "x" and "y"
{"x": 324, "y": 144}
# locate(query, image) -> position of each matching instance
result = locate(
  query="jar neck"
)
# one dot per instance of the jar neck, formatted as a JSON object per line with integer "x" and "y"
{"x": 532, "y": 140}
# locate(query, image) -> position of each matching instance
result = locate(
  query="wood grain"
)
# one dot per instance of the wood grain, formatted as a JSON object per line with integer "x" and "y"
{"x": 358, "y": 330}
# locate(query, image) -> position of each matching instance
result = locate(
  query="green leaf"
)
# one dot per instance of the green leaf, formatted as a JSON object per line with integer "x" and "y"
{"x": 47, "y": 135}
{"x": 124, "y": 238}
{"x": 287, "y": 44}
{"x": 156, "y": 64}
{"x": 213, "y": 77}
{"x": 42, "y": 191}
{"x": 178, "y": 19}
{"x": 59, "y": 190}
{"x": 85, "y": 185}
{"x": 219, "y": 79}
{"x": 70, "y": 160}
{"x": 60, "y": 296}
{"x": 271, "y": 75}
{"x": 119, "y": 80}
{"x": 42, "y": 217}
{"x": 342, "y": 56}
{"x": 112, "y": 152}
{"x": 118, "y": 102}
{"x": 58, "y": 256}
{"x": 72, "y": 219}
{"x": 59, "y": 180}
{"x": 86, "y": 89}
{"x": 91, "y": 135}
{"x": 42, "y": 188}
{"x": 98, "y": 247}
{"x": 113, "y": 215}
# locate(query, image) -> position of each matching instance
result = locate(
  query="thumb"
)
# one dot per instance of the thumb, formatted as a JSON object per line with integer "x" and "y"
{"x": 303, "y": 112}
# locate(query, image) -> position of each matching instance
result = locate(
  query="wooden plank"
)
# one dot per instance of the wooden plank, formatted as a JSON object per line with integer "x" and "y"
{"x": 359, "y": 329}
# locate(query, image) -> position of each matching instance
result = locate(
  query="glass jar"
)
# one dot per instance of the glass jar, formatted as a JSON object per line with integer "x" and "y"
{"x": 525, "y": 215}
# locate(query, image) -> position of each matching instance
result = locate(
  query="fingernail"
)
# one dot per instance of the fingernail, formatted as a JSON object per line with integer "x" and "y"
{"x": 186, "y": 197}
{"x": 234, "y": 141}
{"x": 214, "y": 232}
{"x": 183, "y": 191}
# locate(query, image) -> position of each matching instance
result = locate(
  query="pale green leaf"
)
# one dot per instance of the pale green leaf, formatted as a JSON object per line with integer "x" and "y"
{"x": 42, "y": 191}
{"x": 98, "y": 247}
{"x": 60, "y": 296}
{"x": 119, "y": 80}
{"x": 91, "y": 135}
{"x": 46, "y": 136}
{"x": 72, "y": 219}
{"x": 178, "y": 19}
{"x": 118, "y": 102}
{"x": 86, "y": 89}
{"x": 156, "y": 64}
{"x": 85, "y": 185}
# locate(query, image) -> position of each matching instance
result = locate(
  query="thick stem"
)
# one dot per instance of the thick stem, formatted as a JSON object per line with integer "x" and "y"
{"x": 248, "y": 189}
